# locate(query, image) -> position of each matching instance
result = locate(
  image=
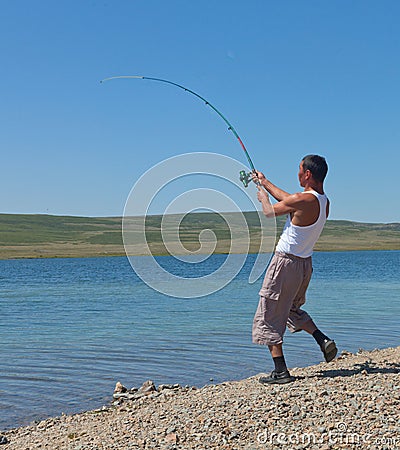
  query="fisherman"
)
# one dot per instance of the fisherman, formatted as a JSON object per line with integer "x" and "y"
{"x": 288, "y": 275}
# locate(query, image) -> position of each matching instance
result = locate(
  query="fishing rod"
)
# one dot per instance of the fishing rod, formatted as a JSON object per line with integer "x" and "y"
{"x": 245, "y": 177}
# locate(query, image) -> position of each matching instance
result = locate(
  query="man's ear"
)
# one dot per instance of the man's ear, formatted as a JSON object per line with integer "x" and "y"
{"x": 307, "y": 174}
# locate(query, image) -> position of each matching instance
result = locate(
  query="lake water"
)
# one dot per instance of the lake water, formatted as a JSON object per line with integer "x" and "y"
{"x": 71, "y": 328}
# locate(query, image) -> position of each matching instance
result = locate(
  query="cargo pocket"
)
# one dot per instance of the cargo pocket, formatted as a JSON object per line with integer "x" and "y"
{"x": 273, "y": 280}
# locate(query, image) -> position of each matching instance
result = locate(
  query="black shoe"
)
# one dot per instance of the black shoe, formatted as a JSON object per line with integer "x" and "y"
{"x": 277, "y": 378}
{"x": 329, "y": 350}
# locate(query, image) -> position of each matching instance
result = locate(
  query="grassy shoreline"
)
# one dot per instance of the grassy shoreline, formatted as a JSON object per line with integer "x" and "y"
{"x": 44, "y": 236}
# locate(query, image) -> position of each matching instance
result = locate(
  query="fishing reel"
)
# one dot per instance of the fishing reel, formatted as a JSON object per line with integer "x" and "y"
{"x": 245, "y": 178}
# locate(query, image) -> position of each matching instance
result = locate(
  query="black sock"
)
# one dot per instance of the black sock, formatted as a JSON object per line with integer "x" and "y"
{"x": 319, "y": 337}
{"x": 280, "y": 364}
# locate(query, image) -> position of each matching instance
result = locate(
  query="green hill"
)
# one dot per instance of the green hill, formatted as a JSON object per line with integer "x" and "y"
{"x": 30, "y": 236}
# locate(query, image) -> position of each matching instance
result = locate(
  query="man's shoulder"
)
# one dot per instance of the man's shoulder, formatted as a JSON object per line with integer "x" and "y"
{"x": 301, "y": 197}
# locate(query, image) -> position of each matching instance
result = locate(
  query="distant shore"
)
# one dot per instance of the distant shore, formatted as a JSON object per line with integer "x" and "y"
{"x": 65, "y": 253}
{"x": 351, "y": 402}
{"x": 43, "y": 236}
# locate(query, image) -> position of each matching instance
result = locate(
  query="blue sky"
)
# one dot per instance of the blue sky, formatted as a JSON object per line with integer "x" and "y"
{"x": 294, "y": 77}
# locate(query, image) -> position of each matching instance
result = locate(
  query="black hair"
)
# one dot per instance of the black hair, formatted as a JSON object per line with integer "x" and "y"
{"x": 316, "y": 165}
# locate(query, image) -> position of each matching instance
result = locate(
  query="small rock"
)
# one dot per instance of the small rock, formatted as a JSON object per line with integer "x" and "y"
{"x": 147, "y": 387}
{"x": 296, "y": 410}
{"x": 3, "y": 440}
{"x": 234, "y": 435}
{"x": 118, "y": 395}
{"x": 172, "y": 438}
{"x": 137, "y": 395}
{"x": 119, "y": 388}
{"x": 161, "y": 387}
{"x": 154, "y": 395}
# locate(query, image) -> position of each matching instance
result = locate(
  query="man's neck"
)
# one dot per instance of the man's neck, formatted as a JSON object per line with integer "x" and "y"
{"x": 317, "y": 187}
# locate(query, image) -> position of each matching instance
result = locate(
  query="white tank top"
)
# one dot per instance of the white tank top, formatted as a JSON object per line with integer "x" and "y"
{"x": 300, "y": 241}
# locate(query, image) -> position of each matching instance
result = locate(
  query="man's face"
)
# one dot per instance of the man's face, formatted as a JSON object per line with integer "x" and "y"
{"x": 301, "y": 174}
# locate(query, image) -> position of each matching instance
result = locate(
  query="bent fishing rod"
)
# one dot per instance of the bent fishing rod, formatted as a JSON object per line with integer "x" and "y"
{"x": 245, "y": 178}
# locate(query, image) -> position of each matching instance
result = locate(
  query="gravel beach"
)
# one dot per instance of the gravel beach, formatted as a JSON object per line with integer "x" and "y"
{"x": 352, "y": 402}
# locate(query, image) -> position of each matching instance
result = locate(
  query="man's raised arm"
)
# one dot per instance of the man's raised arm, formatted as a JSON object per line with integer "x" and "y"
{"x": 277, "y": 193}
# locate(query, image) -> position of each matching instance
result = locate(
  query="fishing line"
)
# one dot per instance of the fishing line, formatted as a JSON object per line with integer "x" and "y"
{"x": 245, "y": 178}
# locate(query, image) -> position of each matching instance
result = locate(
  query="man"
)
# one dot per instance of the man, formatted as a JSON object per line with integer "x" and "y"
{"x": 289, "y": 272}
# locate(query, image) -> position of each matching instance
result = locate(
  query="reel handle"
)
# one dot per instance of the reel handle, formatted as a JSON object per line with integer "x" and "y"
{"x": 246, "y": 178}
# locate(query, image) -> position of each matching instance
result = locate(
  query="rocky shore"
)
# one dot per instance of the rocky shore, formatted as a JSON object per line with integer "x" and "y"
{"x": 352, "y": 402}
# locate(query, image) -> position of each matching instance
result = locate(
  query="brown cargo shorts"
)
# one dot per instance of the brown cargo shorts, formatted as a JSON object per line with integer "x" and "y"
{"x": 282, "y": 294}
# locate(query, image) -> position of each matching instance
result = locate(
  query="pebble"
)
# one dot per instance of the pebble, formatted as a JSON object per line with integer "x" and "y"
{"x": 296, "y": 409}
{"x": 335, "y": 399}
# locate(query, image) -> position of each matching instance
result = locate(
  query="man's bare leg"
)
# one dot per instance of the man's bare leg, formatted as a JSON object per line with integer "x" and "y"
{"x": 276, "y": 350}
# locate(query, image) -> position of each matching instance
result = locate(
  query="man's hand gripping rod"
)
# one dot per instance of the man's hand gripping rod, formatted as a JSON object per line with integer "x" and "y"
{"x": 247, "y": 177}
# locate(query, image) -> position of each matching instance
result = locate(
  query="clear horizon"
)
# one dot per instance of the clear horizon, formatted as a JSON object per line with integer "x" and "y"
{"x": 177, "y": 213}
